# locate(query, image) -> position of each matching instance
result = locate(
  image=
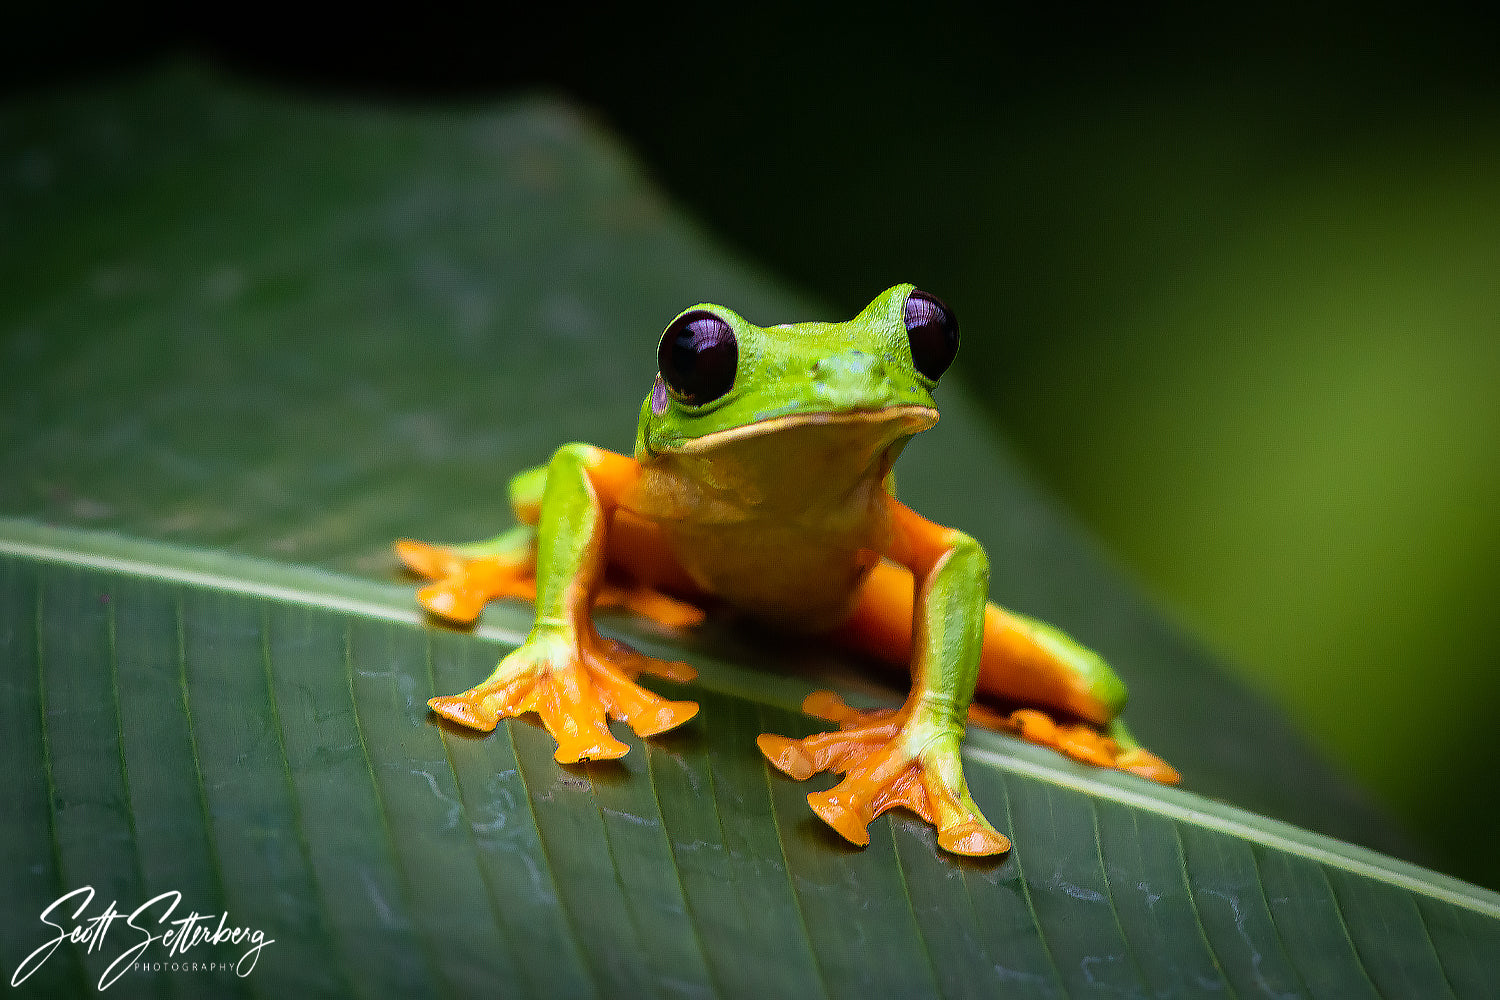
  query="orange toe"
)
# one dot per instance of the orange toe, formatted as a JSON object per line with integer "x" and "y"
{"x": 1082, "y": 743}
{"x": 632, "y": 663}
{"x": 972, "y": 839}
{"x": 827, "y": 705}
{"x": 838, "y": 812}
{"x": 1077, "y": 740}
{"x": 1147, "y": 765}
{"x": 452, "y": 601}
{"x": 590, "y": 747}
{"x": 463, "y": 584}
{"x": 571, "y": 711}
{"x": 610, "y": 667}
{"x": 663, "y": 717}
{"x": 431, "y": 561}
{"x": 653, "y": 604}
{"x": 466, "y": 711}
{"x": 786, "y": 755}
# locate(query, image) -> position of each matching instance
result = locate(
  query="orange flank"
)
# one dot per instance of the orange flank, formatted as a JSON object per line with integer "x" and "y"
{"x": 639, "y": 548}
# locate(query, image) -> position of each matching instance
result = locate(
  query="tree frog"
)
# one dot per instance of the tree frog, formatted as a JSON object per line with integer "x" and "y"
{"x": 762, "y": 479}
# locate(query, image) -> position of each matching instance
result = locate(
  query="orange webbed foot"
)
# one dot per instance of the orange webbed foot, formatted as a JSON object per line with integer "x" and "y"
{"x": 1077, "y": 740}
{"x": 574, "y": 686}
{"x": 465, "y": 583}
{"x": 887, "y": 761}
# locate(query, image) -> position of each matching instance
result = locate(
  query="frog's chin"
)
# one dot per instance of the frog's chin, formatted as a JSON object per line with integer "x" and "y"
{"x": 879, "y": 428}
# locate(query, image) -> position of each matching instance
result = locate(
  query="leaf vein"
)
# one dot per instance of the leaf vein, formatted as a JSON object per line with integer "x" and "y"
{"x": 890, "y": 827}
{"x": 1036, "y": 922}
{"x": 1436, "y": 955}
{"x": 687, "y": 905}
{"x": 1338, "y": 912}
{"x": 1109, "y": 894}
{"x": 1187, "y": 885}
{"x": 210, "y": 841}
{"x": 562, "y": 899}
{"x": 74, "y": 962}
{"x": 393, "y": 855}
{"x": 614, "y": 864}
{"x": 786, "y": 867}
{"x": 484, "y": 875}
{"x": 291, "y": 787}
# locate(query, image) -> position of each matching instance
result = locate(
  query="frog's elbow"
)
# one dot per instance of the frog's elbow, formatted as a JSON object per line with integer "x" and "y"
{"x": 966, "y": 561}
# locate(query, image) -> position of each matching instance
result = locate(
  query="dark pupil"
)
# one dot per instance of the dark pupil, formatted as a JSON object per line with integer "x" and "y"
{"x": 933, "y": 330}
{"x": 698, "y": 357}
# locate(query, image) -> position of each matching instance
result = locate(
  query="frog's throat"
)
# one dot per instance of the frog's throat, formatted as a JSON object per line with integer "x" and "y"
{"x": 903, "y": 420}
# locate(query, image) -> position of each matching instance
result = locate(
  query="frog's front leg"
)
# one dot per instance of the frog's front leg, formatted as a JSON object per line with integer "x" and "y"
{"x": 1076, "y": 697}
{"x": 911, "y": 757}
{"x": 564, "y": 671}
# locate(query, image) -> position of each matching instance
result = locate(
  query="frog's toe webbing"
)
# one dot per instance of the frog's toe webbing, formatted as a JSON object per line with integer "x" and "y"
{"x": 464, "y": 584}
{"x": 574, "y": 696}
{"x": 1077, "y": 740}
{"x": 882, "y": 771}
{"x": 653, "y": 604}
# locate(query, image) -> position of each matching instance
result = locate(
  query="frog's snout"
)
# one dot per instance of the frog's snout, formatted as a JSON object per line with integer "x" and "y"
{"x": 851, "y": 379}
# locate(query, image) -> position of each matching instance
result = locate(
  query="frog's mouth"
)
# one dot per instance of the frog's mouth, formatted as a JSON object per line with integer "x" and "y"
{"x": 879, "y": 428}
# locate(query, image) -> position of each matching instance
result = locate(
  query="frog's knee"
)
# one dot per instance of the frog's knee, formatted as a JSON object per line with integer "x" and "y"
{"x": 1106, "y": 687}
{"x": 1094, "y": 676}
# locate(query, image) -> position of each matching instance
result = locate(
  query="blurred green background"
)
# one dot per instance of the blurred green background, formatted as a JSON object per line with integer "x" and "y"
{"x": 1229, "y": 282}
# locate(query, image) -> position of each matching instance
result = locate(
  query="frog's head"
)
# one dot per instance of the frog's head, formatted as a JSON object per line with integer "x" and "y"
{"x": 723, "y": 379}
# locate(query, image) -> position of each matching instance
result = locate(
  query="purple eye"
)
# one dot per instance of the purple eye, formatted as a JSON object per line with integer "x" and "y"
{"x": 697, "y": 357}
{"x": 933, "y": 331}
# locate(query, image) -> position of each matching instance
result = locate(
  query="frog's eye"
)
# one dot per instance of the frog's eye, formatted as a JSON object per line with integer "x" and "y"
{"x": 933, "y": 330}
{"x": 697, "y": 357}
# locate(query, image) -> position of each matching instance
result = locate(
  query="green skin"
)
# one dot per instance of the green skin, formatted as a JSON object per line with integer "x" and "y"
{"x": 728, "y": 485}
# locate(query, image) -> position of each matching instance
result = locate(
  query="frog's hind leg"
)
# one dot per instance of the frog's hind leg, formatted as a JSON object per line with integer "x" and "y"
{"x": 1078, "y": 697}
{"x": 466, "y": 577}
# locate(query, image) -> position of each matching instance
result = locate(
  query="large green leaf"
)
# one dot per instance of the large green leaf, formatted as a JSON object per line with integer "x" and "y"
{"x": 255, "y": 737}
{"x": 275, "y": 335}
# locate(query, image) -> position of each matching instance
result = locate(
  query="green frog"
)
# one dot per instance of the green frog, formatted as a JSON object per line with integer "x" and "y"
{"x": 762, "y": 479}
